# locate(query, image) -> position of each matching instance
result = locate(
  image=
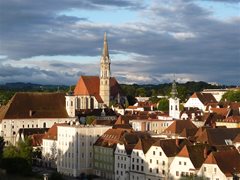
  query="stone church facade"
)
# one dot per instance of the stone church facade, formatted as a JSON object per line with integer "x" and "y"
{"x": 94, "y": 92}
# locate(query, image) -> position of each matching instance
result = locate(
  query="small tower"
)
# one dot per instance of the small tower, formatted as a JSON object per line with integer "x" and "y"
{"x": 174, "y": 111}
{"x": 105, "y": 74}
{"x": 70, "y": 103}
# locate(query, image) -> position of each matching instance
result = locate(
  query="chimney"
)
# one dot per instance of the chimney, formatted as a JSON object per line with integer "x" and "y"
{"x": 30, "y": 113}
{"x": 205, "y": 152}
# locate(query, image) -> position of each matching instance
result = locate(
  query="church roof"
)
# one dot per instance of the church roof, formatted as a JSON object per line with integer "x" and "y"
{"x": 26, "y": 105}
{"x": 89, "y": 85}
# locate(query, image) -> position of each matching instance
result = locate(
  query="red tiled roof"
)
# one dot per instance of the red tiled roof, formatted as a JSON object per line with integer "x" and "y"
{"x": 205, "y": 98}
{"x": 89, "y": 85}
{"x": 35, "y": 105}
{"x": 178, "y": 126}
{"x": 37, "y": 139}
{"x": 52, "y": 132}
{"x": 234, "y": 119}
{"x": 221, "y": 111}
{"x": 228, "y": 161}
{"x": 145, "y": 144}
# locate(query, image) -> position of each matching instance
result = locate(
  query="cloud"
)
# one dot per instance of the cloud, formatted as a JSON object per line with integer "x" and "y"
{"x": 172, "y": 37}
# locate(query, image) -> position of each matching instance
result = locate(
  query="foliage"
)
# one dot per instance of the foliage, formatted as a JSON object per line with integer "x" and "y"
{"x": 56, "y": 176}
{"x": 163, "y": 105}
{"x": 90, "y": 119}
{"x": 232, "y": 96}
{"x": 18, "y": 159}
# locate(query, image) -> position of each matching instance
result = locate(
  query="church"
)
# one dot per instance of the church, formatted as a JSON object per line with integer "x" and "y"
{"x": 95, "y": 92}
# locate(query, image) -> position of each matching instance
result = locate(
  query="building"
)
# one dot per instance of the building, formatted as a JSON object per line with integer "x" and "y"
{"x": 174, "y": 110}
{"x": 221, "y": 165}
{"x": 93, "y": 92}
{"x": 104, "y": 149}
{"x": 32, "y": 110}
{"x": 200, "y": 101}
{"x": 188, "y": 161}
{"x": 217, "y": 93}
{"x": 75, "y": 148}
{"x": 160, "y": 156}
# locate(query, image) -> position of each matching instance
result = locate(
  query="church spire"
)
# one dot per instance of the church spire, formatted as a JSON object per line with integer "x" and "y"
{"x": 105, "y": 52}
{"x": 174, "y": 92}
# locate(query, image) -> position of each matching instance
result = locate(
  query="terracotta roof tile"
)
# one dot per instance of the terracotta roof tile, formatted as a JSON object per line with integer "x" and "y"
{"x": 36, "y": 105}
{"x": 52, "y": 132}
{"x": 205, "y": 98}
{"x": 178, "y": 126}
{"x": 89, "y": 85}
{"x": 229, "y": 165}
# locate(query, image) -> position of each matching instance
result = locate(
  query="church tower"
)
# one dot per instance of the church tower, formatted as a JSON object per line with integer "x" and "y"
{"x": 105, "y": 73}
{"x": 174, "y": 111}
{"x": 70, "y": 103}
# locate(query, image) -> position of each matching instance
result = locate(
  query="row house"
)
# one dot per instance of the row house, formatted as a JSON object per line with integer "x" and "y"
{"x": 221, "y": 165}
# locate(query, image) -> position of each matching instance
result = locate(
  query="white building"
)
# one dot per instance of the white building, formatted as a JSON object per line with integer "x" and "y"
{"x": 221, "y": 165}
{"x": 75, "y": 148}
{"x": 159, "y": 157}
{"x": 217, "y": 93}
{"x": 188, "y": 161}
{"x": 200, "y": 101}
{"x": 32, "y": 110}
{"x": 139, "y": 167}
{"x": 174, "y": 110}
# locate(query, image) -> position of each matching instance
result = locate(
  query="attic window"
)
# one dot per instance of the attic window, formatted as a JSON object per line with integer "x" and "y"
{"x": 228, "y": 141}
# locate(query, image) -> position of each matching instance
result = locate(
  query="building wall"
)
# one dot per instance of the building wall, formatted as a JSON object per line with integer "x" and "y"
{"x": 194, "y": 102}
{"x": 158, "y": 163}
{"x": 212, "y": 171}
{"x": 122, "y": 163}
{"x": 174, "y": 111}
{"x": 75, "y": 148}
{"x": 104, "y": 162}
{"x": 10, "y": 127}
{"x": 181, "y": 166}
{"x": 228, "y": 124}
{"x": 49, "y": 152}
{"x": 138, "y": 165}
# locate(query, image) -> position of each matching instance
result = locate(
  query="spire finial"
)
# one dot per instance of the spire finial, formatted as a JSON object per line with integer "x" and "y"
{"x": 105, "y": 46}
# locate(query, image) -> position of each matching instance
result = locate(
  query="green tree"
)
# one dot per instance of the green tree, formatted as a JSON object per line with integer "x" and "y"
{"x": 141, "y": 92}
{"x": 232, "y": 96}
{"x": 163, "y": 105}
{"x": 18, "y": 159}
{"x": 90, "y": 119}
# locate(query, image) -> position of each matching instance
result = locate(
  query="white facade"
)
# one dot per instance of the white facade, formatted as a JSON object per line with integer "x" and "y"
{"x": 10, "y": 127}
{"x": 122, "y": 163}
{"x": 194, "y": 103}
{"x": 217, "y": 93}
{"x": 174, "y": 110}
{"x": 158, "y": 163}
{"x": 138, "y": 165}
{"x": 213, "y": 172}
{"x": 49, "y": 152}
{"x": 75, "y": 148}
{"x": 181, "y": 166}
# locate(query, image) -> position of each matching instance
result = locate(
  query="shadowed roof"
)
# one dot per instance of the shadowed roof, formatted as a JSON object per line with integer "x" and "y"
{"x": 26, "y": 105}
{"x": 205, "y": 98}
{"x": 179, "y": 125}
{"x": 229, "y": 165}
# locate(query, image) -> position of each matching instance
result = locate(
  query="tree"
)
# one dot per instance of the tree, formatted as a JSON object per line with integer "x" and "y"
{"x": 18, "y": 159}
{"x": 90, "y": 119}
{"x": 163, "y": 105}
{"x": 232, "y": 96}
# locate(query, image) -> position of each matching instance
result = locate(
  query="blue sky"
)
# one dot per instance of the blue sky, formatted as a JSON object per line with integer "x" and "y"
{"x": 55, "y": 42}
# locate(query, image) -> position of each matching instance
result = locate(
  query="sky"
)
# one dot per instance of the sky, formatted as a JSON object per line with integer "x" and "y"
{"x": 150, "y": 41}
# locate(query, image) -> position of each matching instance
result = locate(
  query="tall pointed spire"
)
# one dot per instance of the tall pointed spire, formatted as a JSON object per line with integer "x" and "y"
{"x": 105, "y": 52}
{"x": 174, "y": 92}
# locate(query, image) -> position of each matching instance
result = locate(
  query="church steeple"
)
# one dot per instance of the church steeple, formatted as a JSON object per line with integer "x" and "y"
{"x": 174, "y": 92}
{"x": 105, "y": 53}
{"x": 105, "y": 73}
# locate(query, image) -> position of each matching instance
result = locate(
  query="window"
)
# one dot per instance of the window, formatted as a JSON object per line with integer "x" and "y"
{"x": 142, "y": 168}
{"x": 157, "y": 171}
{"x": 185, "y": 163}
{"x": 163, "y": 163}
{"x": 137, "y": 160}
{"x": 215, "y": 170}
{"x": 177, "y": 173}
{"x": 163, "y": 172}
{"x": 204, "y": 169}
{"x": 150, "y": 170}
{"x": 153, "y": 152}
{"x": 180, "y": 163}
{"x": 160, "y": 153}
{"x": 142, "y": 160}
{"x": 150, "y": 160}
{"x": 133, "y": 167}
{"x": 137, "y": 167}
{"x": 132, "y": 159}
{"x": 156, "y": 161}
